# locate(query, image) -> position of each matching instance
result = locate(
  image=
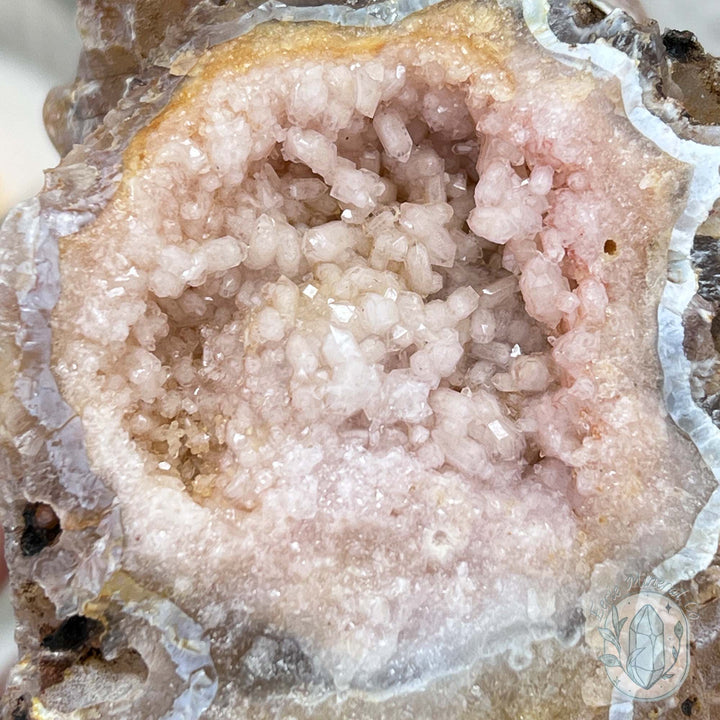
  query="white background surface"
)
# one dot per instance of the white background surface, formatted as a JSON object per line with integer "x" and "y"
{"x": 700, "y": 16}
{"x": 38, "y": 49}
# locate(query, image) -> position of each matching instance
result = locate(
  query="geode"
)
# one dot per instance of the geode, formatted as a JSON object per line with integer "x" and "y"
{"x": 351, "y": 355}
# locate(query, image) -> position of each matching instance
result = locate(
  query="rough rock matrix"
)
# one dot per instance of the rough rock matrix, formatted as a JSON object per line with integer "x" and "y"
{"x": 348, "y": 363}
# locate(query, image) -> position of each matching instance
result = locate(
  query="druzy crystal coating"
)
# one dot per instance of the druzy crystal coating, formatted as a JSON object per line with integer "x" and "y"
{"x": 338, "y": 365}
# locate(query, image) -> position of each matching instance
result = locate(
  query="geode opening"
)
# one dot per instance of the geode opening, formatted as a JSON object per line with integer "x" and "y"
{"x": 362, "y": 310}
{"x": 365, "y": 346}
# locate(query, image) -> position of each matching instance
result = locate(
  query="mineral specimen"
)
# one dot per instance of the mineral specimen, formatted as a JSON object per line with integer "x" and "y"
{"x": 348, "y": 362}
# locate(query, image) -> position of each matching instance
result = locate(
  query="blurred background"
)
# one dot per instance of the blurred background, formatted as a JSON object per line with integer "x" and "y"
{"x": 39, "y": 48}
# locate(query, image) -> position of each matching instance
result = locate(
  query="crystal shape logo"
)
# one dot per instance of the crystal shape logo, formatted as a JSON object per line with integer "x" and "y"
{"x": 646, "y": 648}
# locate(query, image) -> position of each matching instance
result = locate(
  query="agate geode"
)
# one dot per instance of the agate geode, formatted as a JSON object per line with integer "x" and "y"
{"x": 347, "y": 363}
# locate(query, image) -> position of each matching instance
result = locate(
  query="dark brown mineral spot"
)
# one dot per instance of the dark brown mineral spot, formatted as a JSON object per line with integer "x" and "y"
{"x": 682, "y": 45}
{"x": 587, "y": 14}
{"x": 52, "y": 671}
{"x": 42, "y": 528}
{"x": 696, "y": 74}
{"x": 715, "y": 331}
{"x": 21, "y": 710}
{"x": 688, "y": 705}
{"x": 706, "y": 257}
{"x": 72, "y": 634}
{"x": 610, "y": 247}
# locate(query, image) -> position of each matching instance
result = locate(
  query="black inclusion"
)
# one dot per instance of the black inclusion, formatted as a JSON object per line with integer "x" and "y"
{"x": 687, "y": 706}
{"x": 72, "y": 634}
{"x": 37, "y": 536}
{"x": 683, "y": 46}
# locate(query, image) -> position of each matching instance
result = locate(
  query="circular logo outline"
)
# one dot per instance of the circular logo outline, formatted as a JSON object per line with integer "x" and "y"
{"x": 639, "y": 631}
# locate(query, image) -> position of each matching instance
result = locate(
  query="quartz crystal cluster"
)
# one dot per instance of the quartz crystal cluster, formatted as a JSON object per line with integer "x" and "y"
{"x": 332, "y": 384}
